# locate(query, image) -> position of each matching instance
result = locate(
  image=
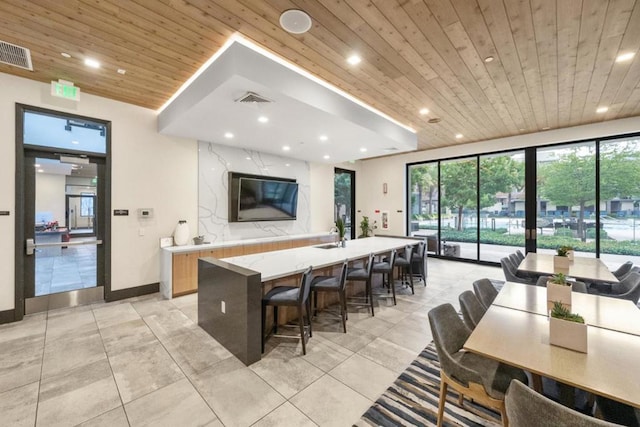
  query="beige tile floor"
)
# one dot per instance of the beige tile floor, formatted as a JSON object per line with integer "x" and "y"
{"x": 144, "y": 361}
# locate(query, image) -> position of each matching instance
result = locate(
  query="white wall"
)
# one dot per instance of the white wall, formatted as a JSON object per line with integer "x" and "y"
{"x": 149, "y": 170}
{"x": 50, "y": 197}
{"x": 392, "y": 170}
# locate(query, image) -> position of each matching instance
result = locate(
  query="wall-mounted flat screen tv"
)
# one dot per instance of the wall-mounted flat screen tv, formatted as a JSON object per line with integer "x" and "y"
{"x": 261, "y": 198}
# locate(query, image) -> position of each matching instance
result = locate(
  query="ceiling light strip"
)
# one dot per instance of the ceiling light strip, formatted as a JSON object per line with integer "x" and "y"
{"x": 243, "y": 41}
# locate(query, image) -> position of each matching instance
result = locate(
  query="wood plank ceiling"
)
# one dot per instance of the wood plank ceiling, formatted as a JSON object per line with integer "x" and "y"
{"x": 554, "y": 60}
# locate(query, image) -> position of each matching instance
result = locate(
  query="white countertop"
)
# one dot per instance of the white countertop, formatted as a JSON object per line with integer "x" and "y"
{"x": 230, "y": 243}
{"x": 276, "y": 264}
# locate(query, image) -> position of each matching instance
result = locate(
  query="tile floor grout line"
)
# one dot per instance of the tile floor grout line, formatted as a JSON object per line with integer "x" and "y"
{"x": 113, "y": 376}
{"x": 178, "y": 365}
{"x": 44, "y": 346}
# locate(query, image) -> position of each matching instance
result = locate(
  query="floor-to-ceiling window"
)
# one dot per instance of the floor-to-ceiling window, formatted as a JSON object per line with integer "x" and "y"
{"x": 344, "y": 199}
{"x": 619, "y": 191}
{"x": 566, "y": 190}
{"x": 458, "y": 208}
{"x": 502, "y": 205}
{"x": 584, "y": 194}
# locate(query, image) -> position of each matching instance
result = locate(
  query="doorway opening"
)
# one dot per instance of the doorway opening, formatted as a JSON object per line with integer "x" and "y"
{"x": 62, "y": 205}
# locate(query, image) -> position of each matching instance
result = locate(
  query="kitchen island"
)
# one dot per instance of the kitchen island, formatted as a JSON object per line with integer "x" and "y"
{"x": 230, "y": 289}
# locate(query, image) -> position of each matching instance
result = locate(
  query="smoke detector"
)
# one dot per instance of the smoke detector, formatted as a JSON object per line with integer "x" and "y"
{"x": 295, "y": 21}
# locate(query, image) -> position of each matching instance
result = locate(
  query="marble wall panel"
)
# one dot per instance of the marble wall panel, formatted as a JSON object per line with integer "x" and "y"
{"x": 214, "y": 164}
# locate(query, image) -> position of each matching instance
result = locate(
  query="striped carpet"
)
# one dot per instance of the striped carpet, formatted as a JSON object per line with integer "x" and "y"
{"x": 412, "y": 400}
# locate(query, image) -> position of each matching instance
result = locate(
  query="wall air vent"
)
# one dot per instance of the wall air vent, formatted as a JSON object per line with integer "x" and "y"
{"x": 15, "y": 55}
{"x": 252, "y": 97}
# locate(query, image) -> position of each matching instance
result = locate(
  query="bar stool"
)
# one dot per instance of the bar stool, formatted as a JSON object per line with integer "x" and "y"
{"x": 386, "y": 269}
{"x": 419, "y": 259}
{"x": 290, "y": 296}
{"x": 363, "y": 275}
{"x": 404, "y": 264}
{"x": 334, "y": 284}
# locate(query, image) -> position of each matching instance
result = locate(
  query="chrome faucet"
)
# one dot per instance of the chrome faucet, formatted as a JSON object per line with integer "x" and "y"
{"x": 333, "y": 229}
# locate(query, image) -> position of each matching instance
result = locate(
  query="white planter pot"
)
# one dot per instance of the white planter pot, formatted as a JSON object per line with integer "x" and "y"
{"x": 571, "y": 335}
{"x": 561, "y": 264}
{"x": 181, "y": 233}
{"x": 560, "y": 293}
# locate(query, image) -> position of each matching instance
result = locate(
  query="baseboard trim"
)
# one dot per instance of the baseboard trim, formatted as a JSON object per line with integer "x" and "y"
{"x": 7, "y": 316}
{"x": 133, "y": 292}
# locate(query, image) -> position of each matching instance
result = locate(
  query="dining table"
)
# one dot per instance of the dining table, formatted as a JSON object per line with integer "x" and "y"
{"x": 583, "y": 268}
{"x": 515, "y": 330}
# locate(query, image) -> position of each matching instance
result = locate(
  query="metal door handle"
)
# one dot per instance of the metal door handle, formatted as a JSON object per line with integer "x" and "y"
{"x": 31, "y": 245}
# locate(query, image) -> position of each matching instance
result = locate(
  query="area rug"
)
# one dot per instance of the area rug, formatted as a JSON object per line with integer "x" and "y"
{"x": 412, "y": 400}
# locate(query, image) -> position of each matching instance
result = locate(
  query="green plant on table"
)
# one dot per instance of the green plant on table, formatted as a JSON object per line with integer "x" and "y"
{"x": 562, "y": 251}
{"x": 340, "y": 227}
{"x": 559, "y": 311}
{"x": 559, "y": 279}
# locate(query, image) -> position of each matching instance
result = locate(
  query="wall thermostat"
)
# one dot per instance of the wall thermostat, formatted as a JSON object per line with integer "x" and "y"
{"x": 145, "y": 213}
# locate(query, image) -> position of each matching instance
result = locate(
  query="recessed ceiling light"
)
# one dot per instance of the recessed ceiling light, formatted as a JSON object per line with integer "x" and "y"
{"x": 65, "y": 54}
{"x": 75, "y": 142}
{"x": 459, "y": 135}
{"x": 625, "y": 56}
{"x": 354, "y": 59}
{"x": 89, "y": 62}
{"x": 601, "y": 110}
{"x": 248, "y": 158}
{"x": 363, "y": 150}
{"x": 228, "y": 135}
{"x": 287, "y": 164}
{"x": 40, "y": 170}
{"x": 326, "y": 156}
{"x": 263, "y": 119}
{"x": 286, "y": 148}
{"x": 295, "y": 21}
{"x": 323, "y": 137}
{"x": 424, "y": 111}
{"x": 488, "y": 59}
{"x": 122, "y": 71}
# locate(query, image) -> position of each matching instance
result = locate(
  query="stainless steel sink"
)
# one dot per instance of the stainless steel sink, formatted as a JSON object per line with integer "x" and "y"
{"x": 327, "y": 246}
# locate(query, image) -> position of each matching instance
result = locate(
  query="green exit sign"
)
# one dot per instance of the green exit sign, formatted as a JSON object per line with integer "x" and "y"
{"x": 66, "y": 90}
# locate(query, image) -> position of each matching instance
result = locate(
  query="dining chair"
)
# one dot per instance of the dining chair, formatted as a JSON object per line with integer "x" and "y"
{"x": 290, "y": 296}
{"x": 472, "y": 310}
{"x": 628, "y": 288}
{"x": 475, "y": 377}
{"x": 332, "y": 284}
{"x": 363, "y": 274}
{"x": 622, "y": 271}
{"x": 485, "y": 292}
{"x": 528, "y": 408}
{"x": 509, "y": 271}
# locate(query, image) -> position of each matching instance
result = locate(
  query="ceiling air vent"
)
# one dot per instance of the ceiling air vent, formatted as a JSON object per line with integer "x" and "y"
{"x": 252, "y": 97}
{"x": 15, "y": 55}
{"x": 390, "y": 149}
{"x": 435, "y": 120}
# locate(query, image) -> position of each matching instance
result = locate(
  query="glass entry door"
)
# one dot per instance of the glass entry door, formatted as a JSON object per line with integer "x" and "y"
{"x": 60, "y": 259}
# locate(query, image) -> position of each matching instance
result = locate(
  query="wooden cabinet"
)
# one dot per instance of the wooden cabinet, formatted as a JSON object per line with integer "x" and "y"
{"x": 185, "y": 273}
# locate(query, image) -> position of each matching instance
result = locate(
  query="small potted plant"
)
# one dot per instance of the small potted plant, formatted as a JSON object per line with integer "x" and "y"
{"x": 365, "y": 228}
{"x": 341, "y": 231}
{"x": 567, "y": 329}
{"x": 559, "y": 289}
{"x": 561, "y": 260}
{"x": 569, "y": 251}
